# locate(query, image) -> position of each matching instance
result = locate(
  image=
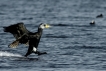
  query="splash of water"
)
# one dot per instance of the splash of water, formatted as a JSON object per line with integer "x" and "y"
{"x": 5, "y": 53}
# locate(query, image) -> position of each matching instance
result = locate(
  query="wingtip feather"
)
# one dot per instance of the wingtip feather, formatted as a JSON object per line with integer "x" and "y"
{"x": 14, "y": 44}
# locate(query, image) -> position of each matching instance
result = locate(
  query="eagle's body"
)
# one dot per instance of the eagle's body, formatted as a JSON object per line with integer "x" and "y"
{"x": 24, "y": 36}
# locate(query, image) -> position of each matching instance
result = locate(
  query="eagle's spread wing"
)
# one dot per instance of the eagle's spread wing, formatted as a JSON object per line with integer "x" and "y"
{"x": 14, "y": 44}
{"x": 17, "y": 30}
{"x": 23, "y": 40}
{"x": 20, "y": 32}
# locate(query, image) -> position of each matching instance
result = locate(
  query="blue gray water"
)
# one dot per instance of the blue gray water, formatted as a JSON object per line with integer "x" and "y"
{"x": 71, "y": 43}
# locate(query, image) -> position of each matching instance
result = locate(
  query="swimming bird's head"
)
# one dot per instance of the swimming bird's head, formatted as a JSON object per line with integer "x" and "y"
{"x": 43, "y": 26}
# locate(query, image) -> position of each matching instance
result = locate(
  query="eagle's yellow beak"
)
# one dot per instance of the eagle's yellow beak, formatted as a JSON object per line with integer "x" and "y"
{"x": 47, "y": 26}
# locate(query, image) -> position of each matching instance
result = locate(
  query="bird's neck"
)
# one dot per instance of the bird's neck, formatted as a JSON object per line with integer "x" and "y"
{"x": 40, "y": 30}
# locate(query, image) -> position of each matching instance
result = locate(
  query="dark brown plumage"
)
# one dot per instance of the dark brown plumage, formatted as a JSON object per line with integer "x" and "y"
{"x": 99, "y": 16}
{"x": 24, "y": 36}
{"x": 92, "y": 23}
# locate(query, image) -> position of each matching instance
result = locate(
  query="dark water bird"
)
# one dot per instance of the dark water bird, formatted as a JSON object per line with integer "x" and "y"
{"x": 92, "y": 23}
{"x": 99, "y": 16}
{"x": 23, "y": 36}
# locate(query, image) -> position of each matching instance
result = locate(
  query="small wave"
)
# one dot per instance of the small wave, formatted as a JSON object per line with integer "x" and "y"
{"x": 62, "y": 36}
{"x": 2, "y": 13}
{"x": 27, "y": 18}
{"x": 5, "y": 53}
{"x": 60, "y": 24}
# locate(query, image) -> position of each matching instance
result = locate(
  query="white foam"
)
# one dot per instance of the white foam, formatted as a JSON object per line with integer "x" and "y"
{"x": 5, "y": 53}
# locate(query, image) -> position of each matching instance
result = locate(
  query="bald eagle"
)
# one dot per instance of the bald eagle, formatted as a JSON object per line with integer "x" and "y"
{"x": 23, "y": 36}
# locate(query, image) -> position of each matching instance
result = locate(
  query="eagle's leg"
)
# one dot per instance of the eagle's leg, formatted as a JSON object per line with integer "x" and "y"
{"x": 29, "y": 51}
{"x": 40, "y": 53}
